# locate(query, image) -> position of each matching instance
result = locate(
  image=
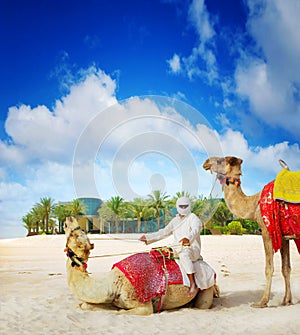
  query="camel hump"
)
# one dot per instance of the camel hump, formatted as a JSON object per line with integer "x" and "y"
{"x": 147, "y": 274}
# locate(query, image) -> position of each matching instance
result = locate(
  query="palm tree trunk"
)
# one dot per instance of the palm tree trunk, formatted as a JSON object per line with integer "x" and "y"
{"x": 158, "y": 221}
{"x": 117, "y": 225}
{"x": 47, "y": 224}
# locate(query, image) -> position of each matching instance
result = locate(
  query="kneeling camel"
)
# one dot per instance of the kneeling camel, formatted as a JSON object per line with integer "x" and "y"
{"x": 113, "y": 287}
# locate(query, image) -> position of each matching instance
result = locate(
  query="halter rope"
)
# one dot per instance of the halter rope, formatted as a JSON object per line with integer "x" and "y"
{"x": 136, "y": 252}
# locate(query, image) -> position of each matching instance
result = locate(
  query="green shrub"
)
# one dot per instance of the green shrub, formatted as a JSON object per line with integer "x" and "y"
{"x": 251, "y": 226}
{"x": 236, "y": 228}
{"x": 223, "y": 230}
{"x": 205, "y": 231}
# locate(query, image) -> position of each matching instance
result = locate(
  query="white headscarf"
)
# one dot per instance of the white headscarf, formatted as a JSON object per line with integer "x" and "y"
{"x": 183, "y": 201}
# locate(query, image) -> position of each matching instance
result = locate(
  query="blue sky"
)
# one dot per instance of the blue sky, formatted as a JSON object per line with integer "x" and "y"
{"x": 107, "y": 98}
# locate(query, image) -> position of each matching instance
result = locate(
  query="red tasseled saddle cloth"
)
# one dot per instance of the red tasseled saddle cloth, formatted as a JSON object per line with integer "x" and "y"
{"x": 280, "y": 217}
{"x": 146, "y": 273}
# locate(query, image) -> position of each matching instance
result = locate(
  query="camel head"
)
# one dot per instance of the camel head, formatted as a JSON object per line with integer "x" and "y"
{"x": 77, "y": 240}
{"x": 226, "y": 166}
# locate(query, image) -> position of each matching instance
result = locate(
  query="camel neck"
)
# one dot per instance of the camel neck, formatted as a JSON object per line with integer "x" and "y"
{"x": 238, "y": 203}
{"x": 92, "y": 290}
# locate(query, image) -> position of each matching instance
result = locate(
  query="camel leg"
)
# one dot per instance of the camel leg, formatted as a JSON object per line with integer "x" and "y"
{"x": 142, "y": 309}
{"x": 269, "y": 268}
{"x": 205, "y": 298}
{"x": 286, "y": 271}
{"x": 85, "y": 306}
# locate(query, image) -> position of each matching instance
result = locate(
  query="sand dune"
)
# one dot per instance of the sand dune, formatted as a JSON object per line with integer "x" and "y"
{"x": 35, "y": 298}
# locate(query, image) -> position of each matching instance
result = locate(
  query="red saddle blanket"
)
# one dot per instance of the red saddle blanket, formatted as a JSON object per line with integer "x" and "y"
{"x": 146, "y": 273}
{"x": 281, "y": 218}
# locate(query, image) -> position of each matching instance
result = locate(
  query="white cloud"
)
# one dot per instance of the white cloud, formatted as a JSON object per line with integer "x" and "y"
{"x": 17, "y": 198}
{"x": 140, "y": 143}
{"x": 199, "y": 17}
{"x": 234, "y": 144}
{"x": 202, "y": 53}
{"x": 41, "y": 134}
{"x": 267, "y": 72}
{"x": 271, "y": 82}
{"x": 174, "y": 64}
{"x": 267, "y": 158}
{"x": 260, "y": 158}
{"x": 201, "y": 62}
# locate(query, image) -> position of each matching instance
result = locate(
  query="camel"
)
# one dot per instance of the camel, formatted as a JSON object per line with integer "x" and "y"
{"x": 113, "y": 288}
{"x": 228, "y": 171}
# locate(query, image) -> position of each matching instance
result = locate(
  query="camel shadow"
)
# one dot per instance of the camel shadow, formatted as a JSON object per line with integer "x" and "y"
{"x": 240, "y": 298}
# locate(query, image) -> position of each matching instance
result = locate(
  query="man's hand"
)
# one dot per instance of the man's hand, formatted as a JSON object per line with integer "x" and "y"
{"x": 185, "y": 242}
{"x": 143, "y": 239}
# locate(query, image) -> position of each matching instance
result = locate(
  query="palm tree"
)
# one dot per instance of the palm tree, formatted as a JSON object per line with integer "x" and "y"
{"x": 46, "y": 206}
{"x": 60, "y": 212}
{"x": 115, "y": 204}
{"x": 76, "y": 207}
{"x": 52, "y": 225}
{"x": 136, "y": 210}
{"x": 29, "y": 222}
{"x": 37, "y": 216}
{"x": 106, "y": 215}
{"x": 222, "y": 214}
{"x": 158, "y": 201}
{"x": 183, "y": 194}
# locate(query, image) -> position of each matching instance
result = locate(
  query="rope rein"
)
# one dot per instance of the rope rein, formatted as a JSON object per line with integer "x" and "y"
{"x": 176, "y": 254}
{"x": 134, "y": 240}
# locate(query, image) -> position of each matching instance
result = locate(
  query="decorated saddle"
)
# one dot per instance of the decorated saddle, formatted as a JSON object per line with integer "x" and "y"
{"x": 280, "y": 217}
{"x": 287, "y": 186}
{"x": 150, "y": 273}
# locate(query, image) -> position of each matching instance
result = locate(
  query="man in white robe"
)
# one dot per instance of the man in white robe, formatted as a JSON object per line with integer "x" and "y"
{"x": 185, "y": 227}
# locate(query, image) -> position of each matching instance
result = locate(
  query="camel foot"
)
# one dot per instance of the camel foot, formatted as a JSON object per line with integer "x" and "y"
{"x": 259, "y": 304}
{"x": 86, "y": 306}
{"x": 144, "y": 309}
{"x": 287, "y": 300}
{"x": 286, "y": 303}
{"x": 136, "y": 311}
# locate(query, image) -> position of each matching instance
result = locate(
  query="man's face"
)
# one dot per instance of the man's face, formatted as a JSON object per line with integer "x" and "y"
{"x": 183, "y": 206}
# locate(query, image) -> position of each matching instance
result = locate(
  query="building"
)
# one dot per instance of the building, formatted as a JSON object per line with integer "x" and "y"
{"x": 89, "y": 221}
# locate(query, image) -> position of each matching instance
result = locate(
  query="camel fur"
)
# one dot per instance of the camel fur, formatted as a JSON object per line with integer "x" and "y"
{"x": 113, "y": 288}
{"x": 247, "y": 207}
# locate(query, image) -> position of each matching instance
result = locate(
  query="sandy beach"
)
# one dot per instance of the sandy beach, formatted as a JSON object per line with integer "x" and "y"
{"x": 35, "y": 298}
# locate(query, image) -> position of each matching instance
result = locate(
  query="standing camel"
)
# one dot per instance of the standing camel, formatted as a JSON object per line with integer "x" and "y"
{"x": 114, "y": 288}
{"x": 228, "y": 170}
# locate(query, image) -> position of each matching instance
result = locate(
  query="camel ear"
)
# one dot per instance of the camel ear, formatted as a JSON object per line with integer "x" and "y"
{"x": 233, "y": 161}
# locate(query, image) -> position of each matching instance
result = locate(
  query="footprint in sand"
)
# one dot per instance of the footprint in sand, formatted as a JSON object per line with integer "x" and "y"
{"x": 225, "y": 271}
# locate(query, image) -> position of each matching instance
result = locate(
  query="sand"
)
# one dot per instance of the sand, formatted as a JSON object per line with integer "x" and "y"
{"x": 35, "y": 298}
